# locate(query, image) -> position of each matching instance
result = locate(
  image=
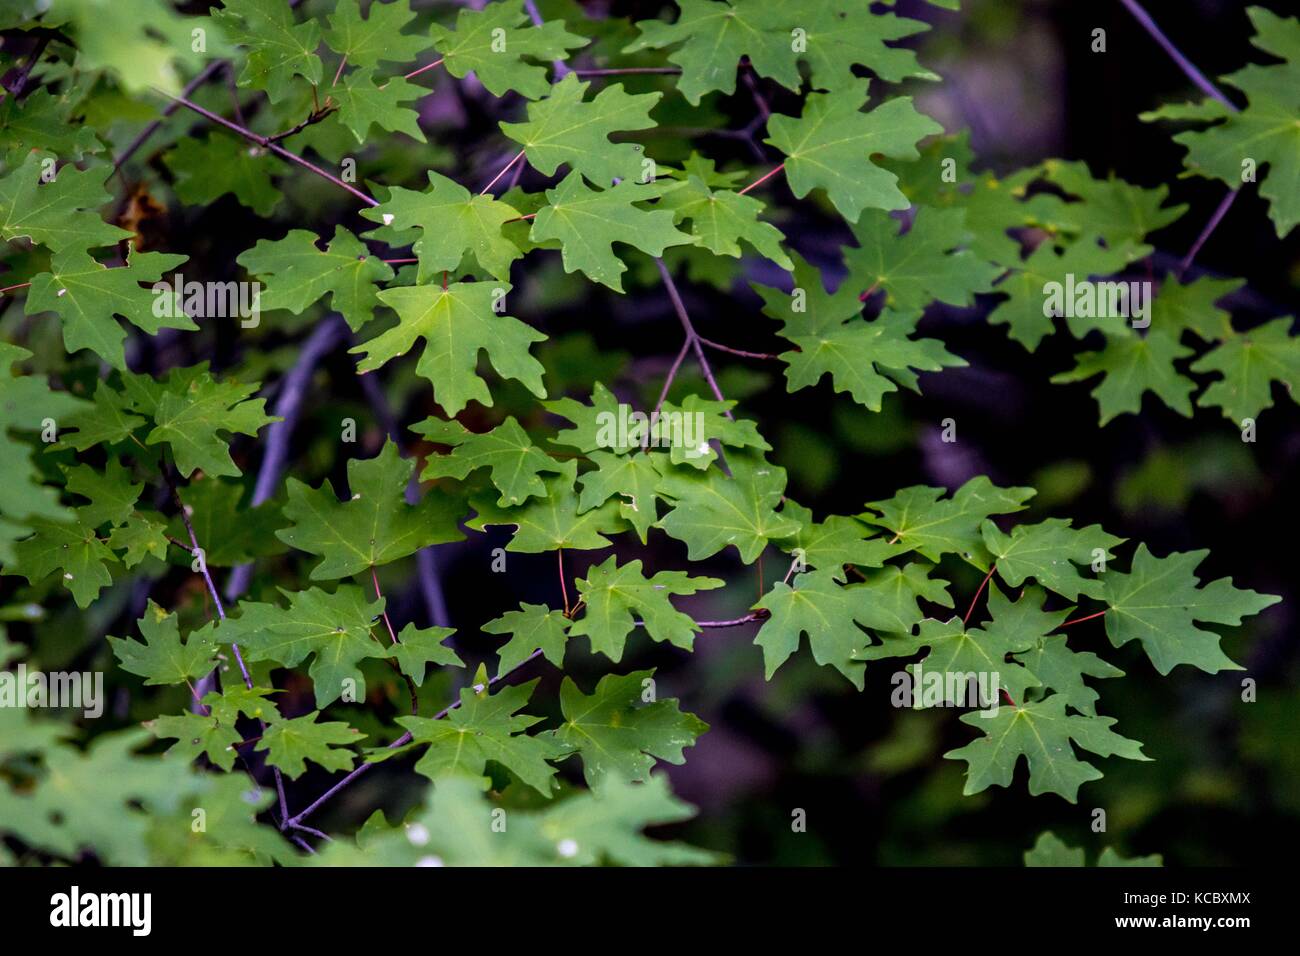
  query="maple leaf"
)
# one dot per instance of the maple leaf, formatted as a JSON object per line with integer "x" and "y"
{"x": 86, "y": 295}
{"x": 533, "y": 627}
{"x": 866, "y": 359}
{"x": 712, "y": 511}
{"x": 232, "y": 531}
{"x": 1158, "y": 603}
{"x": 418, "y": 647}
{"x": 190, "y": 413}
{"x": 69, "y": 547}
{"x": 111, "y": 494}
{"x": 515, "y": 463}
{"x": 619, "y": 598}
{"x": 107, "y": 421}
{"x": 58, "y": 214}
{"x": 587, "y": 223}
{"x": 933, "y": 527}
{"x": 1250, "y": 362}
{"x": 374, "y": 526}
{"x": 213, "y": 732}
{"x": 456, "y": 323}
{"x": 334, "y": 629}
{"x": 363, "y": 104}
{"x": 631, "y": 479}
{"x": 618, "y": 734}
{"x": 163, "y": 658}
{"x": 1117, "y": 212}
{"x": 827, "y": 612}
{"x": 289, "y": 743}
{"x": 207, "y": 169}
{"x": 895, "y": 593}
{"x": 43, "y": 121}
{"x": 927, "y": 263}
{"x": 278, "y": 48}
{"x": 834, "y": 543}
{"x": 715, "y": 37}
{"x": 365, "y": 42}
{"x": 1048, "y": 552}
{"x": 1050, "y": 850}
{"x": 841, "y": 35}
{"x": 456, "y": 227}
{"x": 720, "y": 219}
{"x": 496, "y": 43}
{"x": 1041, "y": 732}
{"x": 1263, "y": 131}
{"x": 552, "y": 521}
{"x": 1062, "y": 669}
{"x": 1132, "y": 365}
{"x": 298, "y": 273}
{"x": 485, "y": 727}
{"x": 830, "y": 145}
{"x": 139, "y": 536}
{"x": 564, "y": 130}
{"x": 964, "y": 654}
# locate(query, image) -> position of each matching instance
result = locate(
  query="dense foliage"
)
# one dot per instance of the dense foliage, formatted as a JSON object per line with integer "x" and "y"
{"x": 285, "y": 331}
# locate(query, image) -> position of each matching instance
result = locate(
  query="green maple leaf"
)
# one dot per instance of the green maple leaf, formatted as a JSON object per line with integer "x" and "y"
{"x": 456, "y": 323}
{"x": 926, "y": 522}
{"x": 60, "y": 214}
{"x": 1118, "y": 212}
{"x": 834, "y": 543}
{"x": 515, "y": 463}
{"x": 112, "y": 496}
{"x": 418, "y": 647}
{"x": 965, "y": 653}
{"x": 1062, "y": 670}
{"x": 86, "y": 296}
{"x": 231, "y": 531}
{"x": 618, "y": 734}
{"x": 587, "y": 223}
{"x": 1158, "y": 603}
{"x": 71, "y": 548}
{"x": 198, "y": 734}
{"x": 895, "y": 593}
{"x": 1132, "y": 365}
{"x": 830, "y": 145}
{"x": 841, "y": 35}
{"x": 107, "y": 421}
{"x": 374, "y": 526}
{"x": 564, "y": 130}
{"x": 485, "y": 727}
{"x": 1041, "y": 732}
{"x": 631, "y": 479}
{"x": 163, "y": 658}
{"x": 552, "y": 521}
{"x": 928, "y": 263}
{"x": 866, "y": 359}
{"x": 456, "y": 227}
{"x": 827, "y": 612}
{"x": 533, "y": 627}
{"x": 591, "y": 431}
{"x": 1263, "y": 131}
{"x": 1050, "y": 850}
{"x": 1026, "y": 310}
{"x": 207, "y": 169}
{"x": 139, "y": 536}
{"x": 712, "y": 511}
{"x": 278, "y": 48}
{"x": 619, "y": 598}
{"x": 1048, "y": 552}
{"x": 1250, "y": 362}
{"x": 289, "y": 743}
{"x": 298, "y": 273}
{"x": 335, "y": 629}
{"x": 363, "y": 104}
{"x": 1178, "y": 307}
{"x": 365, "y": 42}
{"x": 43, "y": 121}
{"x": 190, "y": 414}
{"x": 497, "y": 42}
{"x": 714, "y": 37}
{"x": 721, "y": 218}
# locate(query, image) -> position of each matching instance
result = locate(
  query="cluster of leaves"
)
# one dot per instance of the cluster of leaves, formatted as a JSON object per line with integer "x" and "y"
{"x": 100, "y": 506}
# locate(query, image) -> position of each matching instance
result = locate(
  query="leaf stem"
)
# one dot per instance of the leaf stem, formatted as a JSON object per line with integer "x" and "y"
{"x": 762, "y": 179}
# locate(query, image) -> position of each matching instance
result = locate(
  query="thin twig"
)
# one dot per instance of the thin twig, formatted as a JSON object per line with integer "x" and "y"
{"x": 691, "y": 334}
{"x": 672, "y": 374}
{"x": 1186, "y": 65}
{"x": 1210, "y": 226}
{"x": 209, "y": 71}
{"x": 741, "y": 352}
